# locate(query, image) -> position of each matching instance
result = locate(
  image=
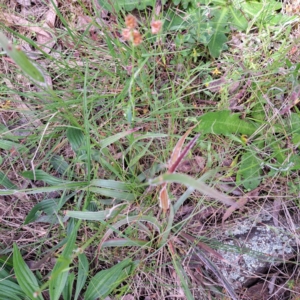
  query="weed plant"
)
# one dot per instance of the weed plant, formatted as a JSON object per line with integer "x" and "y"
{"x": 134, "y": 136}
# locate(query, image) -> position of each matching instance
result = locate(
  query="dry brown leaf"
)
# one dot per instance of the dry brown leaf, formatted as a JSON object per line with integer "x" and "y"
{"x": 25, "y": 3}
{"x": 183, "y": 154}
{"x": 177, "y": 150}
{"x": 44, "y": 38}
{"x": 192, "y": 165}
{"x": 83, "y": 22}
{"x": 164, "y": 201}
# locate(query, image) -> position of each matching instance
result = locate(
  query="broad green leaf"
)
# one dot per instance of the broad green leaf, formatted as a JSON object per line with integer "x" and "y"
{"x": 25, "y": 277}
{"x": 104, "y": 282}
{"x": 295, "y": 160}
{"x": 191, "y": 182}
{"x": 67, "y": 291}
{"x": 48, "y": 206}
{"x": 20, "y": 58}
{"x": 83, "y": 271}
{"x": 92, "y": 216}
{"x": 4, "y": 181}
{"x": 175, "y": 21}
{"x": 252, "y": 8}
{"x": 237, "y": 19}
{"x": 43, "y": 176}
{"x": 127, "y": 5}
{"x": 60, "y": 272}
{"x": 67, "y": 186}
{"x": 110, "y": 184}
{"x": 295, "y": 128}
{"x": 250, "y": 171}
{"x": 9, "y": 145}
{"x": 59, "y": 164}
{"x": 76, "y": 139}
{"x": 219, "y": 24}
{"x": 11, "y": 290}
{"x": 223, "y": 122}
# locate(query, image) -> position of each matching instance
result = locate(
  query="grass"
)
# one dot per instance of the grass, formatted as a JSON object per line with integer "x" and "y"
{"x": 84, "y": 157}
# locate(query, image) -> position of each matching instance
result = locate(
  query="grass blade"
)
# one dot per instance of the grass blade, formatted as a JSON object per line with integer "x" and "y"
{"x": 11, "y": 290}
{"x": 83, "y": 270}
{"x": 197, "y": 185}
{"x": 6, "y": 182}
{"x": 106, "y": 142}
{"x": 60, "y": 271}
{"x": 104, "y": 282}
{"x": 180, "y": 272}
{"x": 25, "y": 277}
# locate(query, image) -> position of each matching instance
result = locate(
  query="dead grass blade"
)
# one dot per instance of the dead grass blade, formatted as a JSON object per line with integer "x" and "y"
{"x": 182, "y": 155}
{"x": 176, "y": 158}
{"x": 177, "y": 149}
{"x": 240, "y": 204}
{"x": 164, "y": 200}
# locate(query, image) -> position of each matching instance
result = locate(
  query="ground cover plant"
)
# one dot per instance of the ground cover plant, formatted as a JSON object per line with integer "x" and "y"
{"x": 146, "y": 147}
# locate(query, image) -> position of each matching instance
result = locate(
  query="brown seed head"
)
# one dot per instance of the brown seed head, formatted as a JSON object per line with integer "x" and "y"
{"x": 156, "y": 26}
{"x": 137, "y": 38}
{"x": 126, "y": 34}
{"x": 130, "y": 22}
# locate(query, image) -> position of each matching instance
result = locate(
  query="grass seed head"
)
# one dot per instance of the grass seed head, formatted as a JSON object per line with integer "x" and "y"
{"x": 136, "y": 38}
{"x": 130, "y": 22}
{"x": 156, "y": 26}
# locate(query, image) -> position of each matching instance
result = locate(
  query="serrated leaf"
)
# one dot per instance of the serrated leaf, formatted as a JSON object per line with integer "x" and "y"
{"x": 83, "y": 271}
{"x": 43, "y": 176}
{"x": 223, "y": 122}
{"x": 104, "y": 282}
{"x": 20, "y": 58}
{"x": 25, "y": 277}
{"x": 250, "y": 171}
